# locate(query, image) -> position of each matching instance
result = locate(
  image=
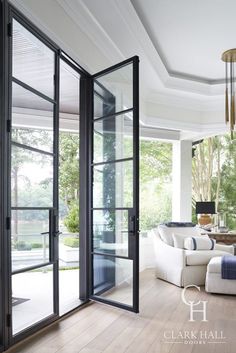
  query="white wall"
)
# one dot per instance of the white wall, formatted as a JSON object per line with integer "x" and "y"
{"x": 182, "y": 181}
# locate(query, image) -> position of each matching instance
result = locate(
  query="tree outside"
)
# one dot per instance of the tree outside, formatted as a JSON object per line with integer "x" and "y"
{"x": 214, "y": 175}
{"x": 155, "y": 183}
{"x": 155, "y": 180}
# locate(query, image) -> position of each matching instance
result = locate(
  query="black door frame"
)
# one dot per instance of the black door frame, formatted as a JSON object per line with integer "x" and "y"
{"x": 133, "y": 242}
{"x": 13, "y": 14}
{"x": 7, "y": 13}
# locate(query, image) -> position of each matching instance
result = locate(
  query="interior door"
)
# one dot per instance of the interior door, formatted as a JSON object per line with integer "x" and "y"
{"x": 114, "y": 186}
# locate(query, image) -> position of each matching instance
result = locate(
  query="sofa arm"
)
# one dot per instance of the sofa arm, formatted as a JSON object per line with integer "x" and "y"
{"x": 171, "y": 256}
{"x": 227, "y": 248}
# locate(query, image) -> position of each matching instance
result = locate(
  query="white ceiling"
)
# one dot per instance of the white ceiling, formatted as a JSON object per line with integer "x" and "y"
{"x": 179, "y": 43}
{"x": 190, "y": 35}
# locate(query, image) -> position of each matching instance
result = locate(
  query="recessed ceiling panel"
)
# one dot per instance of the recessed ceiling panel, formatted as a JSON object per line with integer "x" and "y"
{"x": 190, "y": 35}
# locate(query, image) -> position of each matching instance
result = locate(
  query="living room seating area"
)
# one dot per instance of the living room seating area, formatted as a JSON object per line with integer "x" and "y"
{"x": 177, "y": 264}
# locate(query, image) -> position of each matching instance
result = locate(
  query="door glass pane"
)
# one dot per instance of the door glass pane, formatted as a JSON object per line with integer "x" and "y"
{"x": 32, "y": 297}
{"x": 31, "y": 178}
{"x": 113, "y": 278}
{"x": 69, "y": 224}
{"x": 113, "y": 138}
{"x": 97, "y": 103}
{"x": 113, "y": 185}
{"x": 30, "y": 238}
{"x": 110, "y": 232}
{"x": 32, "y": 119}
{"x": 113, "y": 92}
{"x": 32, "y": 61}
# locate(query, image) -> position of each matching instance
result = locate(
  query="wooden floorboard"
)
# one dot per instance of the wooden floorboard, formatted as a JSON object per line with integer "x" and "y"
{"x": 99, "y": 328}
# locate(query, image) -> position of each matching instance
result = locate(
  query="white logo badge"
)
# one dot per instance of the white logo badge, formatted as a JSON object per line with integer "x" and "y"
{"x": 201, "y": 304}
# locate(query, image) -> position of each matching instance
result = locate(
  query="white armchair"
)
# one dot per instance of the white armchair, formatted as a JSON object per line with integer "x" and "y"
{"x": 183, "y": 267}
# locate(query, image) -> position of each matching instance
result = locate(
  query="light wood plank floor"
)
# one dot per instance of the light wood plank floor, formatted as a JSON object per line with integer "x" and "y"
{"x": 99, "y": 328}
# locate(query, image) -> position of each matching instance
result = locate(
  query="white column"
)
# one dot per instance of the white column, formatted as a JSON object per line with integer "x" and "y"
{"x": 182, "y": 181}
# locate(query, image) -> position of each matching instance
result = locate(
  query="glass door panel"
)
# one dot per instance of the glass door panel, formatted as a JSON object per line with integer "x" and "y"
{"x": 113, "y": 279}
{"x": 30, "y": 238}
{"x": 114, "y": 90}
{"x": 111, "y": 131}
{"x": 32, "y": 177}
{"x": 32, "y": 297}
{"x": 110, "y": 231}
{"x": 32, "y": 60}
{"x": 113, "y": 185}
{"x": 114, "y": 198}
{"x": 34, "y": 207}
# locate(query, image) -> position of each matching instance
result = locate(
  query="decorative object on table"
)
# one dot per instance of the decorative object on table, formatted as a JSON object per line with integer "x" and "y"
{"x": 204, "y": 211}
{"x": 229, "y": 57}
{"x": 221, "y": 221}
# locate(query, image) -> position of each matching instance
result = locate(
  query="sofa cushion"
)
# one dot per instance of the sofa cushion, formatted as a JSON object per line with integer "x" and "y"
{"x": 179, "y": 239}
{"x": 199, "y": 243}
{"x": 201, "y": 257}
{"x": 166, "y": 232}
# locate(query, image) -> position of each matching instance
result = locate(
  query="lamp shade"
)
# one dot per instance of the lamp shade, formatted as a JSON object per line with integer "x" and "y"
{"x": 207, "y": 207}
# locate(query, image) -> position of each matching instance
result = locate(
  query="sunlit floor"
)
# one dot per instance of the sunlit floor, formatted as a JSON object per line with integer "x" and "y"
{"x": 158, "y": 328}
{"x": 33, "y": 296}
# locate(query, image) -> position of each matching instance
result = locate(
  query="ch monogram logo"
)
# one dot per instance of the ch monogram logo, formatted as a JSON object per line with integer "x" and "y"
{"x": 198, "y": 307}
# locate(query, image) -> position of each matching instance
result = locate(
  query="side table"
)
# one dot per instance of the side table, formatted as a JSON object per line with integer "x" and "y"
{"x": 225, "y": 238}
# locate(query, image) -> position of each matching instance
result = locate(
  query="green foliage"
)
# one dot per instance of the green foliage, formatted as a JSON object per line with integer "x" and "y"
{"x": 72, "y": 242}
{"x": 155, "y": 183}
{"x": 22, "y": 245}
{"x": 36, "y": 245}
{"x": 215, "y": 166}
{"x": 155, "y": 161}
{"x": 72, "y": 220}
{"x": 228, "y": 184}
{"x": 69, "y": 167}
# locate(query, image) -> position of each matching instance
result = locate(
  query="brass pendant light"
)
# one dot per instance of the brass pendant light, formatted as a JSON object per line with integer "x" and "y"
{"x": 229, "y": 57}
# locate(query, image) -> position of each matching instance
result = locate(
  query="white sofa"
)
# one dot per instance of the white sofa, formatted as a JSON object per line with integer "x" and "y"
{"x": 179, "y": 266}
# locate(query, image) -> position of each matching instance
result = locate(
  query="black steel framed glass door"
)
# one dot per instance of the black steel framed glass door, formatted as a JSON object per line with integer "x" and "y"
{"x": 33, "y": 177}
{"x": 114, "y": 206}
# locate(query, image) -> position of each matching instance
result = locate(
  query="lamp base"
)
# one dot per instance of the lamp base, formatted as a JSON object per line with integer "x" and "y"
{"x": 204, "y": 219}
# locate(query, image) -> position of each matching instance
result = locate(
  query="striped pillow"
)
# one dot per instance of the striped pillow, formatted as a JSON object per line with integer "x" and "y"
{"x": 199, "y": 243}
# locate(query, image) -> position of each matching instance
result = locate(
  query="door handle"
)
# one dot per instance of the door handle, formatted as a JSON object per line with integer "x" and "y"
{"x": 132, "y": 224}
{"x": 57, "y": 233}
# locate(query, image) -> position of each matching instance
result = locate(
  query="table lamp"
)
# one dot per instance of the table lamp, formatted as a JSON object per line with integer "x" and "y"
{"x": 204, "y": 210}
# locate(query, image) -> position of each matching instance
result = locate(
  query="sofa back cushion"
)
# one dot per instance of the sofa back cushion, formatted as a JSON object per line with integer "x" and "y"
{"x": 178, "y": 239}
{"x": 199, "y": 243}
{"x": 167, "y": 232}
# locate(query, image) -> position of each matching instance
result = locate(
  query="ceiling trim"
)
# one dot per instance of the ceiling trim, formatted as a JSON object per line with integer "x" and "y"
{"x": 82, "y": 17}
{"x": 173, "y": 73}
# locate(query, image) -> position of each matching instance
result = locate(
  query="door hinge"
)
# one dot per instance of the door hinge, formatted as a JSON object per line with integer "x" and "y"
{"x": 9, "y": 29}
{"x": 8, "y": 320}
{"x": 8, "y": 223}
{"x": 8, "y": 125}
